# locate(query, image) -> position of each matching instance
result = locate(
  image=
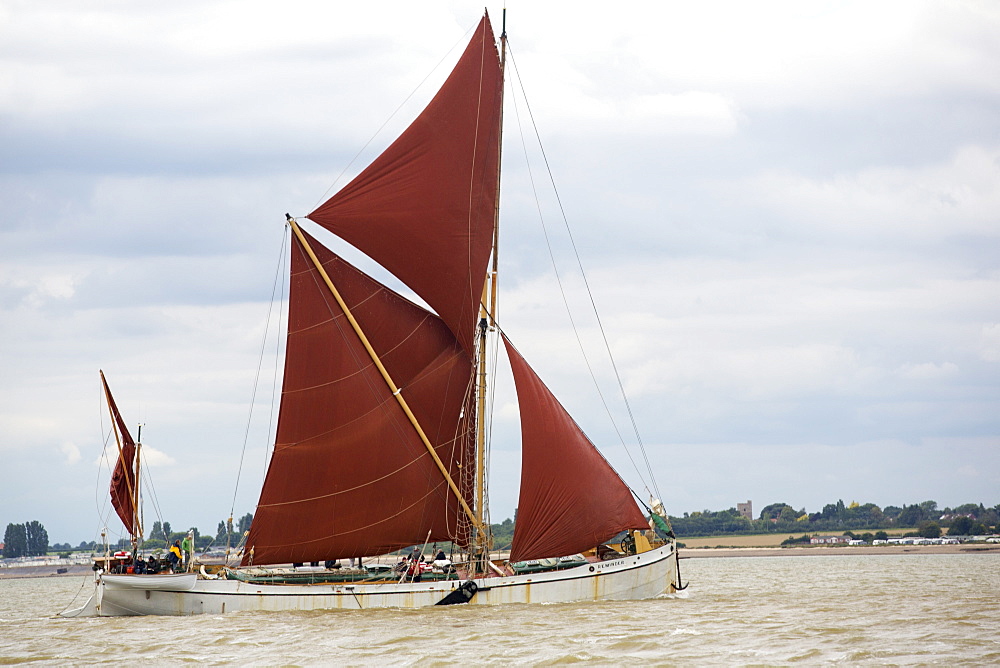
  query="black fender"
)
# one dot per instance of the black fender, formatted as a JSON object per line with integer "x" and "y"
{"x": 463, "y": 594}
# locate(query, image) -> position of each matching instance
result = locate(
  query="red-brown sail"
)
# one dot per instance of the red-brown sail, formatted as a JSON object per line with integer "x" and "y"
{"x": 123, "y": 479}
{"x": 424, "y": 209}
{"x": 349, "y": 476}
{"x": 571, "y": 499}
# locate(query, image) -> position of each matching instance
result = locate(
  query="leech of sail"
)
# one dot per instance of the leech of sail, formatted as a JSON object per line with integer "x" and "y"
{"x": 488, "y": 312}
{"x": 385, "y": 374}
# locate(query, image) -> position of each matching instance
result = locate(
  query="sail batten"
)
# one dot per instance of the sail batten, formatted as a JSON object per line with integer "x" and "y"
{"x": 571, "y": 499}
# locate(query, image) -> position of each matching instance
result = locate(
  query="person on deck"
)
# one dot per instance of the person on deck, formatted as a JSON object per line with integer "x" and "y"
{"x": 414, "y": 571}
{"x": 441, "y": 563}
{"x": 174, "y": 555}
{"x": 186, "y": 550}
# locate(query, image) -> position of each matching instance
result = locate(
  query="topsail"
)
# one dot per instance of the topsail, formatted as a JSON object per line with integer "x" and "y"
{"x": 425, "y": 208}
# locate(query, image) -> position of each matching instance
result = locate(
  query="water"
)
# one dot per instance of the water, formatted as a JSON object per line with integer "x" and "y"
{"x": 866, "y": 610}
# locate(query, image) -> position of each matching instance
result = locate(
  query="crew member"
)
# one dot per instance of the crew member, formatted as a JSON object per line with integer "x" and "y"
{"x": 174, "y": 555}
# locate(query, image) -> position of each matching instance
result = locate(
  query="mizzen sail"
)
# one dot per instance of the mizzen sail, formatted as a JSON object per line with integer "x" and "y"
{"x": 123, "y": 480}
{"x": 425, "y": 208}
{"x": 570, "y": 499}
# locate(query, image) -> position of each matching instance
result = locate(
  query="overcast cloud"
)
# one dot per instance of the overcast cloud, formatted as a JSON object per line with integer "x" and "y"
{"x": 789, "y": 214}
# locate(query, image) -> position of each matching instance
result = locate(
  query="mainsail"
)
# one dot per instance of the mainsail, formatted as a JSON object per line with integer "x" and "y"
{"x": 349, "y": 476}
{"x": 425, "y": 208}
{"x": 123, "y": 479}
{"x": 571, "y": 499}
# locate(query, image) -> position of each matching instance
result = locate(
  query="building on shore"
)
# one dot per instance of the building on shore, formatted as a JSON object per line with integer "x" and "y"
{"x": 745, "y": 509}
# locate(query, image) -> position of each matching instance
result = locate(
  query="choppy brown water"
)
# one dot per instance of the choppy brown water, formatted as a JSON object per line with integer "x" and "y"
{"x": 868, "y": 610}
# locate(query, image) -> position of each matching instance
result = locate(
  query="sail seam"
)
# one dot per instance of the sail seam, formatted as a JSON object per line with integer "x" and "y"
{"x": 333, "y": 316}
{"x": 373, "y": 524}
{"x": 472, "y": 171}
{"x": 343, "y": 425}
{"x": 392, "y": 416}
{"x": 345, "y": 491}
{"x": 370, "y": 365}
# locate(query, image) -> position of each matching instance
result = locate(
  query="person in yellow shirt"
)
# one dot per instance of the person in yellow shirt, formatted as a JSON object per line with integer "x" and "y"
{"x": 174, "y": 555}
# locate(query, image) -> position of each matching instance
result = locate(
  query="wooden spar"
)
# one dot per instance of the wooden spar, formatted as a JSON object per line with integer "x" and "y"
{"x": 118, "y": 442}
{"x": 396, "y": 392}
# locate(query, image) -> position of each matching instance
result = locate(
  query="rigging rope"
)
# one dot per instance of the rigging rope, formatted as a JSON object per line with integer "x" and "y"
{"x": 154, "y": 500}
{"x": 402, "y": 104}
{"x": 586, "y": 283}
{"x": 489, "y": 433}
{"x": 275, "y": 379}
{"x": 260, "y": 362}
{"x": 102, "y": 509}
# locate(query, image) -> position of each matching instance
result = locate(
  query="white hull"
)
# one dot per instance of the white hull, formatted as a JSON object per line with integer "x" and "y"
{"x": 641, "y": 576}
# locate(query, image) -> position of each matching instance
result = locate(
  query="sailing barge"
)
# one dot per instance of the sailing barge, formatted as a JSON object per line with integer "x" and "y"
{"x": 380, "y": 442}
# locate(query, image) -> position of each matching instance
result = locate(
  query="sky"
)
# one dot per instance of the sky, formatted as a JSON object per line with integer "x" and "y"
{"x": 788, "y": 214}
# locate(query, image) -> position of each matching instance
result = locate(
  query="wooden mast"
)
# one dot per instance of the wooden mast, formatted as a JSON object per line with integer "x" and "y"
{"x": 136, "y": 501}
{"x": 487, "y": 320}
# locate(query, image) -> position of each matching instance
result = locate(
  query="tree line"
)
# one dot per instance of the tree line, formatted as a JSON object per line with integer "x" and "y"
{"x": 25, "y": 540}
{"x": 969, "y": 519}
{"x": 227, "y": 533}
{"x": 31, "y": 539}
{"x": 966, "y": 519}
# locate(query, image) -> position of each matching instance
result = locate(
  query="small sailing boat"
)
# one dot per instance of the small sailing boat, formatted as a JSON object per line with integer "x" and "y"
{"x": 380, "y": 436}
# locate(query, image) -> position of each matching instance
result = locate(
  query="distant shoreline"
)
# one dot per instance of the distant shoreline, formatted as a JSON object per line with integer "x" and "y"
{"x": 828, "y": 550}
{"x": 22, "y": 572}
{"x": 685, "y": 553}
